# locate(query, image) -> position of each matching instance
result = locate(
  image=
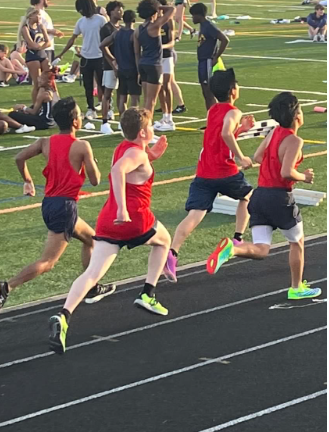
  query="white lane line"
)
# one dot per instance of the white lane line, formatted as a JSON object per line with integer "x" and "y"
{"x": 15, "y": 147}
{"x": 194, "y": 272}
{"x": 263, "y": 89}
{"x": 159, "y": 377}
{"x": 269, "y": 410}
{"x": 152, "y": 326}
{"x": 261, "y": 57}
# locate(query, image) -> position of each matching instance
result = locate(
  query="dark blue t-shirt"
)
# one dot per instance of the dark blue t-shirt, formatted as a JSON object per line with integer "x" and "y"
{"x": 124, "y": 50}
{"x": 207, "y": 40}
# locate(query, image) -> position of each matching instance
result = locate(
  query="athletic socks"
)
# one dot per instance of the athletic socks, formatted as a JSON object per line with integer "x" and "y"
{"x": 174, "y": 252}
{"x": 148, "y": 290}
{"x": 67, "y": 315}
{"x": 238, "y": 236}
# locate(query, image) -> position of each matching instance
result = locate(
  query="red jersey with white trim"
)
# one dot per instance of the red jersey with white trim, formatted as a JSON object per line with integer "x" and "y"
{"x": 61, "y": 178}
{"x": 138, "y": 201}
{"x": 270, "y": 168}
{"x": 216, "y": 159}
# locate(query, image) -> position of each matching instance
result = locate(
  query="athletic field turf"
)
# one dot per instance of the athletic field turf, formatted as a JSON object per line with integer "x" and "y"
{"x": 265, "y": 60}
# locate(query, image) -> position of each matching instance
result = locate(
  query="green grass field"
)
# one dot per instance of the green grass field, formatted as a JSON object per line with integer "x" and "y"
{"x": 264, "y": 63}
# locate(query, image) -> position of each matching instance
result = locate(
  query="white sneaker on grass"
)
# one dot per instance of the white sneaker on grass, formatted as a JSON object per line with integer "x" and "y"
{"x": 69, "y": 78}
{"x": 166, "y": 126}
{"x": 98, "y": 107}
{"x": 25, "y": 129}
{"x": 91, "y": 114}
{"x": 110, "y": 115}
{"x": 106, "y": 129}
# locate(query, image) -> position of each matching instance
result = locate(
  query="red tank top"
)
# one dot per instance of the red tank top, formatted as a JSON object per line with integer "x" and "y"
{"x": 270, "y": 168}
{"x": 61, "y": 178}
{"x": 138, "y": 201}
{"x": 216, "y": 159}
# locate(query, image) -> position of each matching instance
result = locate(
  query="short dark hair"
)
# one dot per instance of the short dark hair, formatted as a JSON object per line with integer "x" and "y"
{"x": 86, "y": 8}
{"x": 129, "y": 17}
{"x": 283, "y": 108}
{"x": 221, "y": 84}
{"x": 113, "y": 5}
{"x": 34, "y": 2}
{"x": 134, "y": 120}
{"x": 319, "y": 7}
{"x": 65, "y": 112}
{"x": 4, "y": 48}
{"x": 147, "y": 8}
{"x": 199, "y": 9}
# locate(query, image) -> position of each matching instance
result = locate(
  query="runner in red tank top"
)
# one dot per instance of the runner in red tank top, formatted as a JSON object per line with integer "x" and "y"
{"x": 217, "y": 171}
{"x": 272, "y": 204}
{"x": 125, "y": 220}
{"x": 67, "y": 159}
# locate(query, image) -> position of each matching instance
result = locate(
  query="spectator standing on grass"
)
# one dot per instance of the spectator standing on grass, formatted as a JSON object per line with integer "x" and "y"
{"x": 272, "y": 205}
{"x": 208, "y": 51}
{"x": 317, "y": 24}
{"x": 41, "y": 5}
{"x": 67, "y": 160}
{"x": 114, "y": 10}
{"x": 91, "y": 61}
{"x": 35, "y": 35}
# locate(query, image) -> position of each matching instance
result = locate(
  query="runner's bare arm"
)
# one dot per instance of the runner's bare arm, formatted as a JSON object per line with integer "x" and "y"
{"x": 292, "y": 152}
{"x": 258, "y": 156}
{"x": 104, "y": 46}
{"x": 158, "y": 149}
{"x": 247, "y": 122}
{"x": 33, "y": 150}
{"x": 171, "y": 35}
{"x": 91, "y": 167}
{"x": 168, "y": 13}
{"x": 231, "y": 121}
{"x": 132, "y": 159}
{"x": 69, "y": 44}
{"x": 137, "y": 48}
{"x": 224, "y": 41}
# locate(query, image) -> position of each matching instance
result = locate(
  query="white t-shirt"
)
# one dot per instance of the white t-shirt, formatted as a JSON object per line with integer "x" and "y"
{"x": 48, "y": 23}
{"x": 90, "y": 28}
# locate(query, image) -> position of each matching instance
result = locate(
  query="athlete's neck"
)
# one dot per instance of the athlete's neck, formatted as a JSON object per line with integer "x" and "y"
{"x": 114, "y": 21}
{"x": 68, "y": 132}
{"x": 129, "y": 26}
{"x": 140, "y": 142}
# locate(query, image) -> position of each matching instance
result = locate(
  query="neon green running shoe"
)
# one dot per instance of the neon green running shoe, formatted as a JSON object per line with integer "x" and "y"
{"x": 57, "y": 337}
{"x": 304, "y": 291}
{"x": 64, "y": 68}
{"x": 222, "y": 253}
{"x": 151, "y": 304}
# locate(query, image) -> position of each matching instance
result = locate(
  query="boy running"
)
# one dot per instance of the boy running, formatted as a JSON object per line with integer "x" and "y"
{"x": 208, "y": 51}
{"x": 217, "y": 171}
{"x": 272, "y": 204}
{"x": 67, "y": 158}
{"x": 123, "y": 61}
{"x": 125, "y": 220}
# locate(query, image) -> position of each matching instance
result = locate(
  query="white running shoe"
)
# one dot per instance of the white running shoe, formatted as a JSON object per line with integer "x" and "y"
{"x": 98, "y": 107}
{"x": 3, "y": 84}
{"x": 90, "y": 126}
{"x": 25, "y": 129}
{"x": 322, "y": 39}
{"x": 69, "y": 78}
{"x": 154, "y": 140}
{"x": 90, "y": 115}
{"x": 315, "y": 39}
{"x": 165, "y": 127}
{"x": 110, "y": 115}
{"x": 158, "y": 123}
{"x": 106, "y": 129}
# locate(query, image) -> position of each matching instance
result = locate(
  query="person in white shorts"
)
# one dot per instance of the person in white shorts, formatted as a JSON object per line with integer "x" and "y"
{"x": 114, "y": 10}
{"x": 272, "y": 204}
{"x": 166, "y": 94}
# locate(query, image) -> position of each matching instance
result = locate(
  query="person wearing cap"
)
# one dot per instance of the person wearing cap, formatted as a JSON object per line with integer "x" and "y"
{"x": 317, "y": 24}
{"x": 217, "y": 171}
{"x": 208, "y": 50}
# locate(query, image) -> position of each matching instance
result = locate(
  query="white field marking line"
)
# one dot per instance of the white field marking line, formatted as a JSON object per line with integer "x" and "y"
{"x": 15, "y": 147}
{"x": 264, "y": 89}
{"x": 269, "y": 410}
{"x": 152, "y": 326}
{"x": 161, "y": 376}
{"x": 140, "y": 278}
{"x": 304, "y": 41}
{"x": 261, "y": 57}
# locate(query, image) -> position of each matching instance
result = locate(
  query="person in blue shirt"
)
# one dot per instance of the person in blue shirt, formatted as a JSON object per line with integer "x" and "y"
{"x": 317, "y": 24}
{"x": 208, "y": 50}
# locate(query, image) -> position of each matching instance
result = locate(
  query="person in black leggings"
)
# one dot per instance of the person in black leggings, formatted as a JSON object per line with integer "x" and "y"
{"x": 91, "y": 56}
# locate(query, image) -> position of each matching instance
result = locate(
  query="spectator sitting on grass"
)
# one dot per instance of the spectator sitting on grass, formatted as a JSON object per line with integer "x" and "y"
{"x": 9, "y": 68}
{"x": 7, "y": 123}
{"x": 40, "y": 114}
{"x": 317, "y": 22}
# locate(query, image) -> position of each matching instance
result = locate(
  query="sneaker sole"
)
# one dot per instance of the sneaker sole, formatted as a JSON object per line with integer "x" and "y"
{"x": 306, "y": 297}
{"x": 169, "y": 275}
{"x": 54, "y": 341}
{"x": 214, "y": 262}
{"x": 100, "y": 296}
{"x": 143, "y": 305}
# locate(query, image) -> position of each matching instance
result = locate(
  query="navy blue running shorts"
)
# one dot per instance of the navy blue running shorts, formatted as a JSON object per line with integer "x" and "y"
{"x": 203, "y": 191}
{"x": 60, "y": 215}
{"x": 273, "y": 207}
